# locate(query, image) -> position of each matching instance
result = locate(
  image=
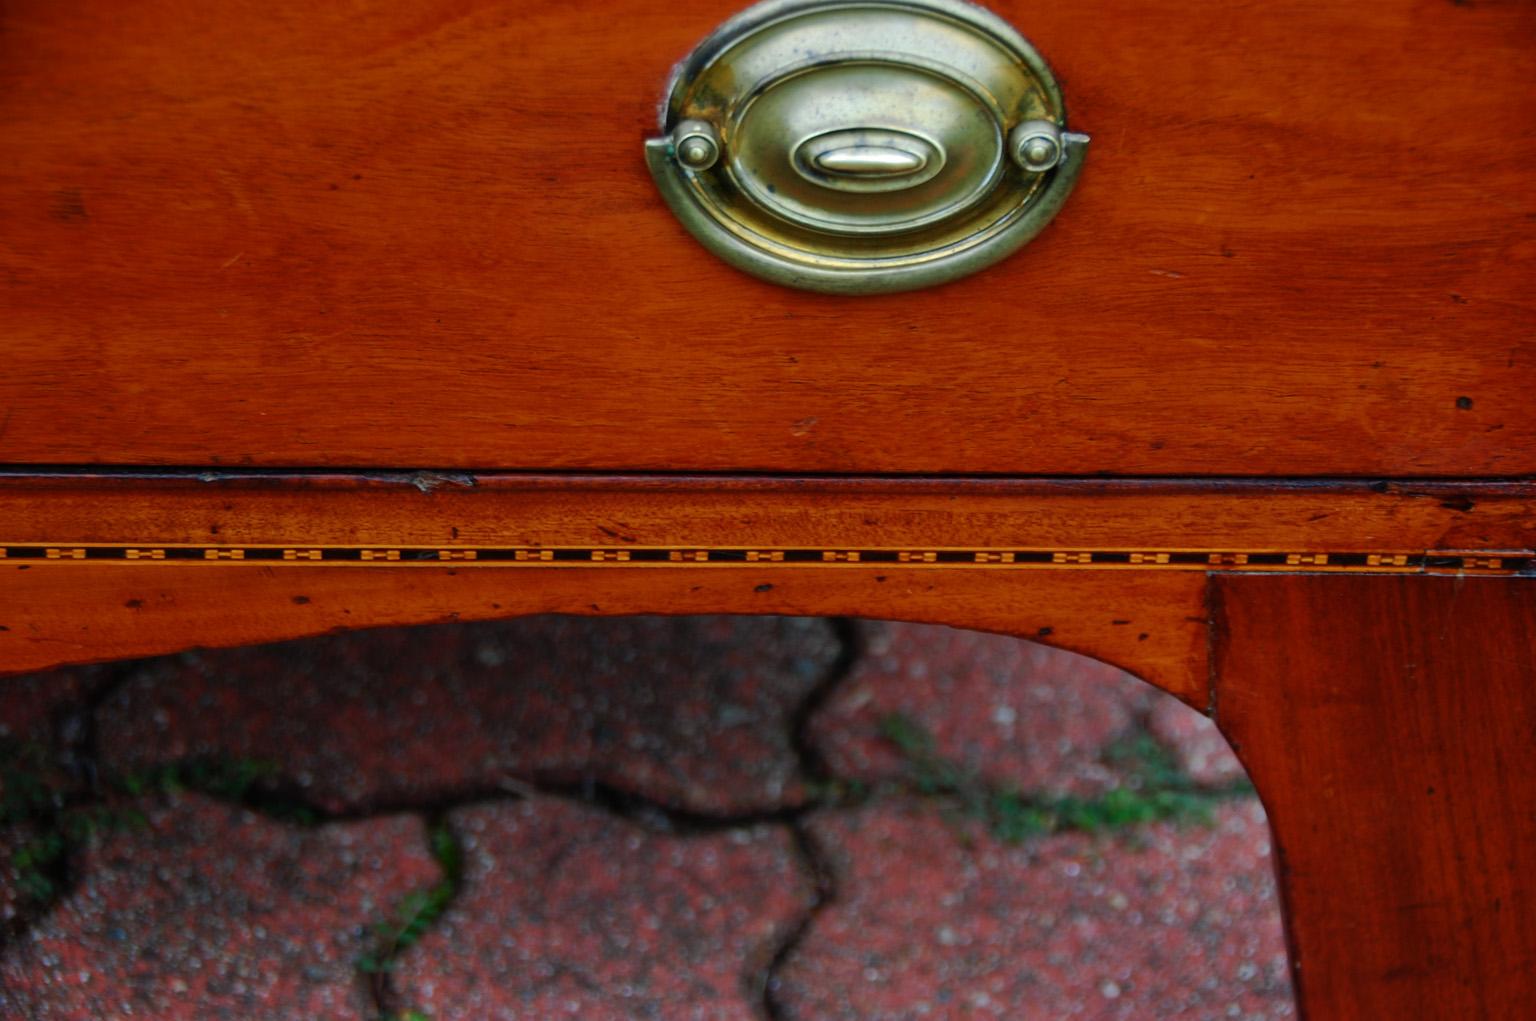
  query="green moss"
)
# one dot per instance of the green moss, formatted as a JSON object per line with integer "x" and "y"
{"x": 420, "y": 909}
{"x": 52, "y": 813}
{"x": 1154, "y": 789}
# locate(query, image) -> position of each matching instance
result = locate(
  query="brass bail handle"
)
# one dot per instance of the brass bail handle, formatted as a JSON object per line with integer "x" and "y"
{"x": 866, "y": 147}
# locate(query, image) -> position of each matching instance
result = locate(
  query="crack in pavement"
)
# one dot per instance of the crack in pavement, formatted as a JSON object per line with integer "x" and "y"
{"x": 81, "y": 767}
{"x": 75, "y": 748}
{"x": 416, "y": 915}
{"x": 823, "y": 894}
{"x": 819, "y": 776}
{"x": 70, "y": 748}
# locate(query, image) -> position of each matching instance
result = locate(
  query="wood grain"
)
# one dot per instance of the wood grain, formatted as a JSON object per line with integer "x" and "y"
{"x": 277, "y": 233}
{"x": 91, "y": 613}
{"x": 576, "y": 510}
{"x": 1388, "y": 724}
{"x": 1150, "y": 621}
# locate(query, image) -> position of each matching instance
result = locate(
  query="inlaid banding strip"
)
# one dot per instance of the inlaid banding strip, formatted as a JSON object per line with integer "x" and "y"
{"x": 376, "y": 555}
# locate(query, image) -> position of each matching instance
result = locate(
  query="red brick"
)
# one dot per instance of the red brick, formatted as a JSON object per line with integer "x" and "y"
{"x": 1196, "y": 744}
{"x": 567, "y": 912}
{"x": 693, "y": 712}
{"x": 207, "y": 911}
{"x": 946, "y": 922}
{"x": 1016, "y": 713}
{"x": 30, "y": 705}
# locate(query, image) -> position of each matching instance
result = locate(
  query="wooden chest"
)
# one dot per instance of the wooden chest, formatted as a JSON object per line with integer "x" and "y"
{"x": 335, "y": 315}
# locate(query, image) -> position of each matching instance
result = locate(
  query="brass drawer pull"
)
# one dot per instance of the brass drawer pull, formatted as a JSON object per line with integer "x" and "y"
{"x": 868, "y": 159}
{"x": 863, "y": 147}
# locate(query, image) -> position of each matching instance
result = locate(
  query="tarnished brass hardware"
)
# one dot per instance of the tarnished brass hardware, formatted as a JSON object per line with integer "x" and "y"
{"x": 864, "y": 146}
{"x": 697, "y": 145}
{"x": 1036, "y": 146}
{"x": 867, "y": 160}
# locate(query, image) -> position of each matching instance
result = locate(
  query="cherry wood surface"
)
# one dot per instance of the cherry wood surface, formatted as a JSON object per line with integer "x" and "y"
{"x": 272, "y": 232}
{"x": 1390, "y": 727}
{"x": 86, "y": 613}
{"x": 1147, "y": 617}
{"x": 545, "y": 509}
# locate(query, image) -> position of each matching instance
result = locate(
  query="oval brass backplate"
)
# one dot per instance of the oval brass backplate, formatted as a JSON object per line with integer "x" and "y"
{"x": 864, "y": 146}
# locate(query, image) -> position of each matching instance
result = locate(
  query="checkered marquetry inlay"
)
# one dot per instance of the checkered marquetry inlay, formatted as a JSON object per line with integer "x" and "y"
{"x": 1383, "y": 562}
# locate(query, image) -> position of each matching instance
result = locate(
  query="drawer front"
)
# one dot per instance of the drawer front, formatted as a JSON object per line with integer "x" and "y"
{"x": 400, "y": 234}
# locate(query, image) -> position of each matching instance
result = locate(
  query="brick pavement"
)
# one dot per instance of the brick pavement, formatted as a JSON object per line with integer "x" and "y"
{"x": 669, "y": 818}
